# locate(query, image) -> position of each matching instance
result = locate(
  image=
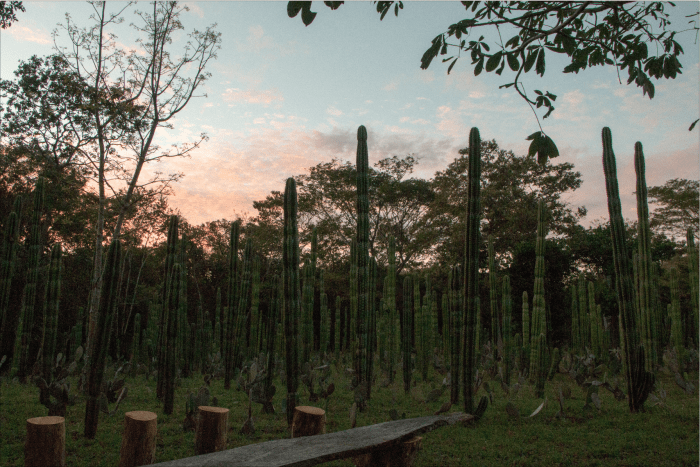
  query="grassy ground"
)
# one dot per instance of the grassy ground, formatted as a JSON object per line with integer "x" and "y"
{"x": 662, "y": 436}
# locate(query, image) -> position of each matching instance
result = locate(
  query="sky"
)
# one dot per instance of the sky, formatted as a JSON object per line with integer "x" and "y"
{"x": 283, "y": 97}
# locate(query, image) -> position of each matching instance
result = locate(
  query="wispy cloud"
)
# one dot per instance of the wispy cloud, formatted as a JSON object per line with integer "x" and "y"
{"x": 392, "y": 86}
{"x": 23, "y": 33}
{"x": 331, "y": 110}
{"x": 265, "y": 97}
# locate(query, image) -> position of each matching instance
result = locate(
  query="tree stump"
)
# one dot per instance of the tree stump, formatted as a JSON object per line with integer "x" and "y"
{"x": 139, "y": 439}
{"x": 400, "y": 455}
{"x": 46, "y": 442}
{"x": 308, "y": 421}
{"x": 210, "y": 434}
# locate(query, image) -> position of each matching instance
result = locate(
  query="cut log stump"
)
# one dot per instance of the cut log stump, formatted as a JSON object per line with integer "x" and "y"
{"x": 46, "y": 442}
{"x": 400, "y": 455}
{"x": 308, "y": 421}
{"x": 139, "y": 439}
{"x": 210, "y": 434}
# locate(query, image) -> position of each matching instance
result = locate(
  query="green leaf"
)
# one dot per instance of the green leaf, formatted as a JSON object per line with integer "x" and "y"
{"x": 539, "y": 68}
{"x": 493, "y": 61}
{"x": 479, "y": 66}
{"x": 513, "y": 62}
{"x": 530, "y": 60}
{"x": 692, "y": 125}
{"x": 451, "y": 65}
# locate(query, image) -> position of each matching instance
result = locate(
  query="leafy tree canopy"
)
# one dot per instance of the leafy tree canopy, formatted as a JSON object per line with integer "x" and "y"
{"x": 510, "y": 188}
{"x": 8, "y": 13}
{"x": 327, "y": 199}
{"x": 678, "y": 206}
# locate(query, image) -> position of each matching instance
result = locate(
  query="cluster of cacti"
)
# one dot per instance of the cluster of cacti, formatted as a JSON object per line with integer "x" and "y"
{"x": 242, "y": 313}
{"x": 307, "y": 300}
{"x": 100, "y": 345}
{"x": 292, "y": 305}
{"x": 471, "y": 272}
{"x": 271, "y": 332}
{"x": 29, "y": 335}
{"x": 639, "y": 381}
{"x": 538, "y": 352}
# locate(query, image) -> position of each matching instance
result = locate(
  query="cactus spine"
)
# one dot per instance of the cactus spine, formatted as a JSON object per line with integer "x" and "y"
{"x": 292, "y": 305}
{"x": 639, "y": 381}
{"x": 100, "y": 345}
{"x": 471, "y": 273}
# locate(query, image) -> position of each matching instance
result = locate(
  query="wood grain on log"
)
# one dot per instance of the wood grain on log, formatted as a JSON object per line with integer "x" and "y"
{"x": 212, "y": 425}
{"x": 313, "y": 450}
{"x": 46, "y": 442}
{"x": 308, "y": 421}
{"x": 139, "y": 439}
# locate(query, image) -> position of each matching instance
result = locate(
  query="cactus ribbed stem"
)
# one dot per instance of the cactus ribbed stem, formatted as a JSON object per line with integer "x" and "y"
{"x": 363, "y": 263}
{"x": 100, "y": 345}
{"x": 507, "y": 313}
{"x": 406, "y": 333}
{"x": 51, "y": 306}
{"x": 390, "y": 302}
{"x": 231, "y": 309}
{"x": 292, "y": 304}
{"x": 471, "y": 273}
{"x": 493, "y": 295}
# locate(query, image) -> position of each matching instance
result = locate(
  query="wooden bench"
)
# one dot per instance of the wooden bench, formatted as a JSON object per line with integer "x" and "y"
{"x": 313, "y": 450}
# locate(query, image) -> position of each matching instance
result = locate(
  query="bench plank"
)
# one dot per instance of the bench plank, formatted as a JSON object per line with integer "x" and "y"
{"x": 313, "y": 450}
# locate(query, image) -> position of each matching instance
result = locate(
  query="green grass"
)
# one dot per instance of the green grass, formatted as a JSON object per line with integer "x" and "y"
{"x": 662, "y": 436}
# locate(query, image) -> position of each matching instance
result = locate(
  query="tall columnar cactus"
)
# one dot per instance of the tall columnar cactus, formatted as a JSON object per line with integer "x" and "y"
{"x": 307, "y": 340}
{"x": 675, "y": 315}
{"x": 639, "y": 381}
{"x": 220, "y": 320}
{"x": 184, "y": 339}
{"x": 292, "y": 305}
{"x": 507, "y": 313}
{"x": 324, "y": 315}
{"x": 166, "y": 313}
{"x": 336, "y": 330}
{"x": 539, "y": 322}
{"x": 526, "y": 330}
{"x": 644, "y": 303}
{"x": 471, "y": 273}
{"x": 173, "y": 306}
{"x": 30, "y": 335}
{"x": 275, "y": 305}
{"x": 390, "y": 302}
{"x": 255, "y": 346}
{"x": 351, "y": 329}
{"x": 584, "y": 321}
{"x": 456, "y": 299}
{"x": 105, "y": 313}
{"x": 493, "y": 294}
{"x": 693, "y": 280}
{"x": 7, "y": 271}
{"x": 406, "y": 336}
{"x": 596, "y": 324}
{"x": 575, "y": 329}
{"x": 52, "y": 298}
{"x": 231, "y": 310}
{"x": 363, "y": 264}
{"x": 312, "y": 290}
{"x": 371, "y": 325}
{"x": 242, "y": 311}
